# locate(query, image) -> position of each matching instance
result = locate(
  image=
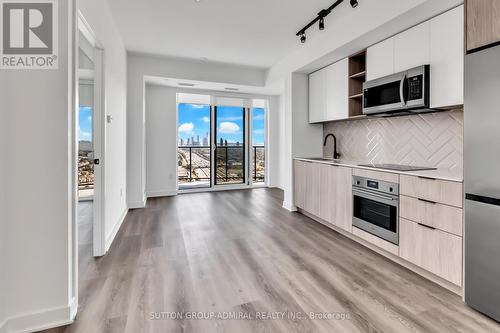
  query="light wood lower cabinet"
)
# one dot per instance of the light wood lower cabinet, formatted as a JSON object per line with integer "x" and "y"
{"x": 325, "y": 191}
{"x": 312, "y": 195}
{"x": 443, "y": 217}
{"x": 437, "y": 251}
{"x": 336, "y": 196}
{"x": 307, "y": 186}
{"x": 440, "y": 191}
{"x": 300, "y": 181}
{"x": 431, "y": 223}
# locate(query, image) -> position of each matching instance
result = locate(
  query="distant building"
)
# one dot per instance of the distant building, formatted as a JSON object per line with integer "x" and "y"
{"x": 182, "y": 142}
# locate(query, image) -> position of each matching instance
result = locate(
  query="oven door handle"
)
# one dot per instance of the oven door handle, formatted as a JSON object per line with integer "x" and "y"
{"x": 402, "y": 90}
{"x": 374, "y": 195}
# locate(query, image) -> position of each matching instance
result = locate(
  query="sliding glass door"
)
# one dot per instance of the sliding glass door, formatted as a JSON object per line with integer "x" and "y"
{"x": 221, "y": 146}
{"x": 258, "y": 148}
{"x": 194, "y": 147}
{"x": 230, "y": 145}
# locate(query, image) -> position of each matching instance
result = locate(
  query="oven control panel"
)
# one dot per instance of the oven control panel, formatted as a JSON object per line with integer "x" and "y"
{"x": 375, "y": 185}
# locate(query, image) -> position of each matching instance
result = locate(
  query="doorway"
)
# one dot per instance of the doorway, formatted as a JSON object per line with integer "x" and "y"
{"x": 90, "y": 136}
{"x": 221, "y": 147}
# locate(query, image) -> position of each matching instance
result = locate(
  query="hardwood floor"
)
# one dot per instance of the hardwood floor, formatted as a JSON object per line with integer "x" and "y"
{"x": 240, "y": 251}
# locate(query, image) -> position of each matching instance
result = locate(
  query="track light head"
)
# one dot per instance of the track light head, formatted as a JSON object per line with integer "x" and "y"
{"x": 354, "y": 3}
{"x": 303, "y": 38}
{"x": 322, "y": 23}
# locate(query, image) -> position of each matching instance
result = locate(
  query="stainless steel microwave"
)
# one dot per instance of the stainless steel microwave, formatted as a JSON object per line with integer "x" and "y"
{"x": 404, "y": 92}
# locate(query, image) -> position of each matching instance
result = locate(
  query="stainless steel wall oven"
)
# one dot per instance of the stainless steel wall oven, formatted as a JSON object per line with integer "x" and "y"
{"x": 376, "y": 208}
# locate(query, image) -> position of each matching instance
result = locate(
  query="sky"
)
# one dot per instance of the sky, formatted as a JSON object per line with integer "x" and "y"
{"x": 85, "y": 124}
{"x": 194, "y": 120}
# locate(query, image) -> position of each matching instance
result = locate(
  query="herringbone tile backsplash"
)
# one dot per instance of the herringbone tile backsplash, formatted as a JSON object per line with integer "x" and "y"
{"x": 432, "y": 139}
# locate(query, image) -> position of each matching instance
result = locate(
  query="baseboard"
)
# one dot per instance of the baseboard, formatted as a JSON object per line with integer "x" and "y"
{"x": 165, "y": 193}
{"x": 38, "y": 321}
{"x": 289, "y": 206}
{"x": 137, "y": 204}
{"x": 118, "y": 224}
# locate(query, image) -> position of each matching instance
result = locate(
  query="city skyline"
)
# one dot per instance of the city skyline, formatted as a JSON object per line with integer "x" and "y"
{"x": 194, "y": 121}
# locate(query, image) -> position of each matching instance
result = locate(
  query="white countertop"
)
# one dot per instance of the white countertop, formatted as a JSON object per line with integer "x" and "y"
{"x": 441, "y": 174}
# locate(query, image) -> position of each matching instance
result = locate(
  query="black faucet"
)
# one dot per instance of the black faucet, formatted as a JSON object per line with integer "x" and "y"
{"x": 336, "y": 155}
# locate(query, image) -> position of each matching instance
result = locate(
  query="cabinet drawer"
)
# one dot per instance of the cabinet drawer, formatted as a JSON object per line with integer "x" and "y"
{"x": 440, "y": 191}
{"x": 443, "y": 217}
{"x": 432, "y": 249}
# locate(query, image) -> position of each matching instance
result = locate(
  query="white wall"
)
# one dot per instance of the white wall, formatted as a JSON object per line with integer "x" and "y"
{"x": 141, "y": 65}
{"x": 161, "y": 141}
{"x": 35, "y": 124}
{"x": 328, "y": 46}
{"x": 3, "y": 198}
{"x": 37, "y": 184}
{"x": 301, "y": 138}
{"x": 274, "y": 142}
{"x": 98, "y": 15}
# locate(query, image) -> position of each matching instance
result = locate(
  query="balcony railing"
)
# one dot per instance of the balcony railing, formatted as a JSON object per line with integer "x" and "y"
{"x": 194, "y": 164}
{"x": 85, "y": 172}
{"x": 259, "y": 163}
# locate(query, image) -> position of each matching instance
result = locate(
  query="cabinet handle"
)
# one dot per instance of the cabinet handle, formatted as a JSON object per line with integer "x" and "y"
{"x": 428, "y": 201}
{"x": 427, "y": 226}
{"x": 424, "y": 177}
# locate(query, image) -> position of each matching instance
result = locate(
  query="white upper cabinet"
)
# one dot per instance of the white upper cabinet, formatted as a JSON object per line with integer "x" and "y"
{"x": 447, "y": 58}
{"x": 328, "y": 93}
{"x": 411, "y": 47}
{"x": 380, "y": 59}
{"x": 317, "y": 93}
{"x": 337, "y": 91}
{"x": 438, "y": 42}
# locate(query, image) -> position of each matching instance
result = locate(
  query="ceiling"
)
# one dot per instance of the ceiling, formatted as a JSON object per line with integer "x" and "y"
{"x": 255, "y": 33}
{"x": 274, "y": 89}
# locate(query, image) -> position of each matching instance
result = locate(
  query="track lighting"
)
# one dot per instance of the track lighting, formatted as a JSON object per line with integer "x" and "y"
{"x": 322, "y": 23}
{"x": 321, "y": 18}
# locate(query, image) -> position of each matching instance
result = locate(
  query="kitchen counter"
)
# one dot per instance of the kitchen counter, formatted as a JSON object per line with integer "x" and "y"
{"x": 441, "y": 174}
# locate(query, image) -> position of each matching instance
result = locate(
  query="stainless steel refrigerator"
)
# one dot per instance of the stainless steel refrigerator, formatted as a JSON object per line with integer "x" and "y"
{"x": 482, "y": 181}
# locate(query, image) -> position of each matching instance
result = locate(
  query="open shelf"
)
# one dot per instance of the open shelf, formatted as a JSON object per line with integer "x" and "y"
{"x": 360, "y": 75}
{"x": 357, "y": 76}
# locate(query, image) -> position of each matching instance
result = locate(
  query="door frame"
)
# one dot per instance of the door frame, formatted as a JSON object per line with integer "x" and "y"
{"x": 213, "y": 171}
{"x": 98, "y": 136}
{"x": 248, "y": 184}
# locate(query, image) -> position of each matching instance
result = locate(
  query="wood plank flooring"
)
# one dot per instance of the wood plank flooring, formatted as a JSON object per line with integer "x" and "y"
{"x": 240, "y": 252}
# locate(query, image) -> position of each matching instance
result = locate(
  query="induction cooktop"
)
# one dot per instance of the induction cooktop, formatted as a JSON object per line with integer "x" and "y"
{"x": 397, "y": 167}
